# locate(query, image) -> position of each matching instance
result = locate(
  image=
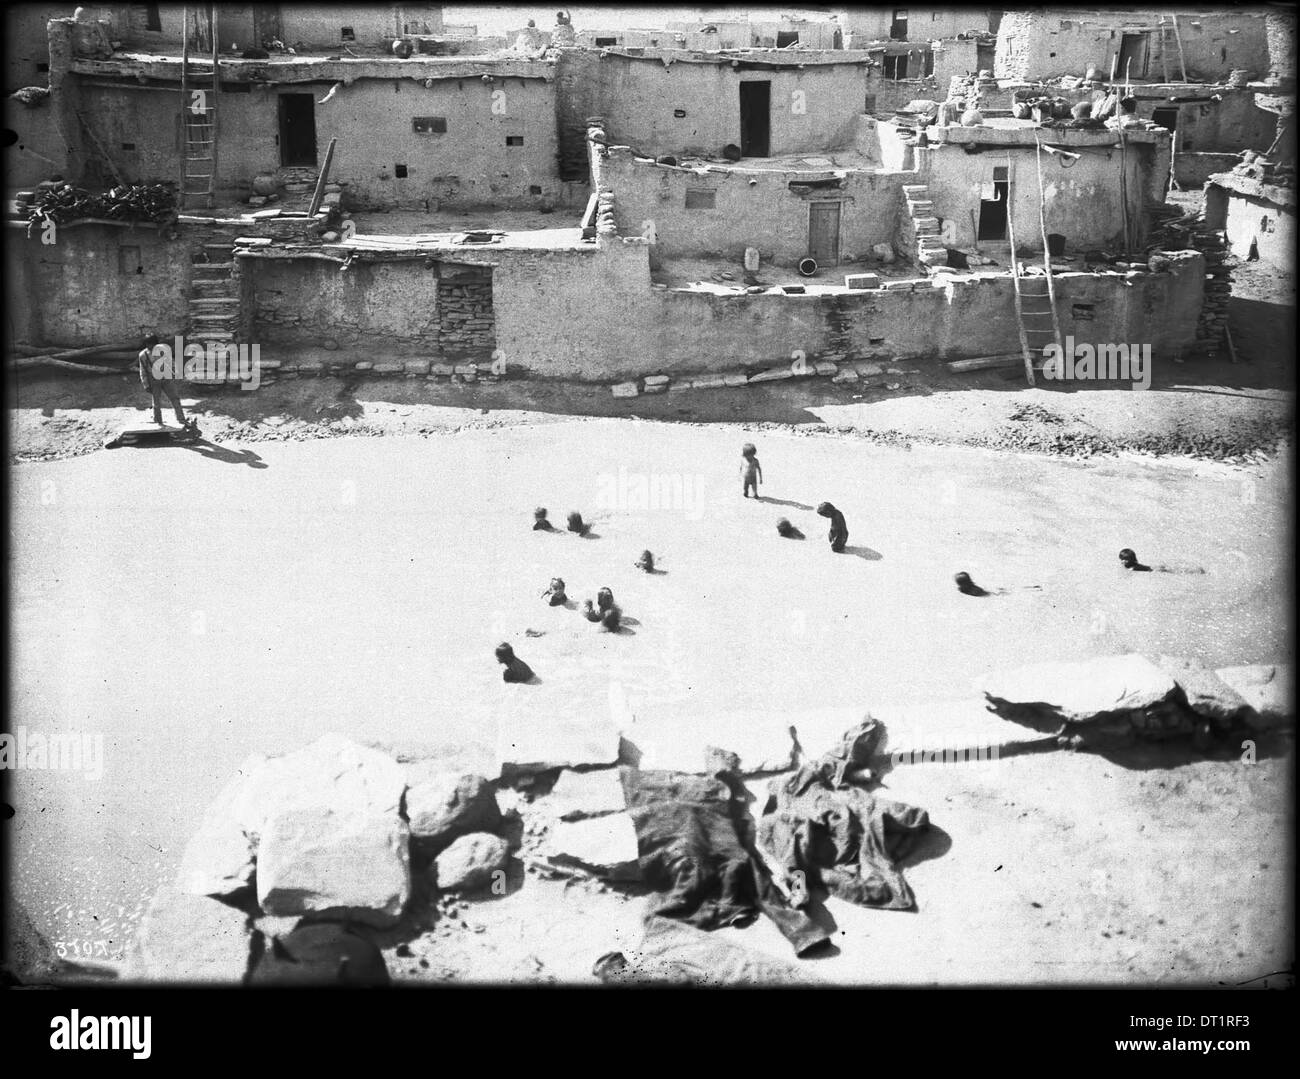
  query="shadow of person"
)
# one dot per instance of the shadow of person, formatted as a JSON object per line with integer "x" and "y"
{"x": 783, "y": 502}
{"x": 863, "y": 552}
{"x": 214, "y": 452}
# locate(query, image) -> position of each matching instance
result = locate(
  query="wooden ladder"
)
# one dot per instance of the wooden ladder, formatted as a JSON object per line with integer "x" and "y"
{"x": 199, "y": 90}
{"x": 1168, "y": 26}
{"x": 1037, "y": 319}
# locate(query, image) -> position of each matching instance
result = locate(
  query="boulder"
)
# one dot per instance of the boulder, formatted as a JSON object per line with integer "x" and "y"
{"x": 191, "y": 939}
{"x": 323, "y": 859}
{"x": 529, "y": 742}
{"x": 1207, "y": 694}
{"x": 577, "y": 795}
{"x": 470, "y": 863}
{"x": 1081, "y": 691}
{"x": 323, "y": 825}
{"x": 605, "y": 846}
{"x": 442, "y": 806}
{"x": 1268, "y": 689}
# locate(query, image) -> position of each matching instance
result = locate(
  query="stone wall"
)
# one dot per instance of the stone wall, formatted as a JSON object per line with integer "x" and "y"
{"x": 466, "y": 319}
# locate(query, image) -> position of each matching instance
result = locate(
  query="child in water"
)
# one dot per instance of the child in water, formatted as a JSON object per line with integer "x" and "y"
{"x": 751, "y": 471}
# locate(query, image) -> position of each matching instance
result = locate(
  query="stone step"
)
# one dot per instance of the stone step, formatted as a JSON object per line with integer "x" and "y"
{"x": 926, "y": 223}
{"x": 919, "y": 207}
{"x": 218, "y": 267}
{"x": 213, "y": 301}
{"x": 916, "y": 191}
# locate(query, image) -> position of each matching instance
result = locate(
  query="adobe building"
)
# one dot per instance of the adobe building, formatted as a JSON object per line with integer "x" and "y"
{"x": 648, "y": 157}
{"x": 1157, "y": 44}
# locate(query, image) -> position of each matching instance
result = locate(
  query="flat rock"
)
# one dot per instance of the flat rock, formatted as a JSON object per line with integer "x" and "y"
{"x": 1081, "y": 691}
{"x": 471, "y": 863}
{"x": 325, "y": 859}
{"x": 529, "y": 742}
{"x": 577, "y": 795}
{"x": 1207, "y": 694}
{"x": 625, "y": 389}
{"x": 191, "y": 939}
{"x": 775, "y": 374}
{"x": 700, "y": 744}
{"x": 1269, "y": 690}
{"x": 442, "y": 805}
{"x": 606, "y": 846}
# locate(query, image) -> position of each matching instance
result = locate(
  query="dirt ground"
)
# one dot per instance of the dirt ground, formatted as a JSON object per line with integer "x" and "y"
{"x": 354, "y": 569}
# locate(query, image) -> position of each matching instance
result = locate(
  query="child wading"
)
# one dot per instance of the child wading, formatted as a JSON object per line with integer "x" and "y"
{"x": 751, "y": 471}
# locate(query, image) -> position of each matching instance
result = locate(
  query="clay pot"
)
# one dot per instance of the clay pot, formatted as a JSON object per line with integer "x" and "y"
{"x": 401, "y": 48}
{"x": 972, "y": 118}
{"x": 264, "y": 184}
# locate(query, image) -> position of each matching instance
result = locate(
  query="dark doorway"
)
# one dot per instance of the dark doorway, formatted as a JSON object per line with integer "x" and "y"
{"x": 1166, "y": 118}
{"x": 993, "y": 212}
{"x": 1132, "y": 56}
{"x": 755, "y": 119}
{"x": 297, "y": 129}
{"x": 896, "y": 66}
{"x": 824, "y": 233}
{"x": 898, "y": 27}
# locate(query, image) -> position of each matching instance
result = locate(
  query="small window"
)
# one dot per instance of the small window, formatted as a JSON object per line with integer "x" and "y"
{"x": 1051, "y": 54}
{"x": 870, "y": 104}
{"x": 43, "y": 68}
{"x": 152, "y": 21}
{"x": 999, "y": 172}
{"x": 429, "y": 125}
{"x": 928, "y": 68}
{"x": 786, "y": 38}
{"x": 1082, "y": 312}
{"x": 399, "y": 171}
{"x": 128, "y": 260}
{"x": 236, "y": 87}
{"x": 701, "y": 200}
{"x": 346, "y": 34}
{"x": 606, "y": 42}
{"x": 128, "y": 146}
{"x": 534, "y": 189}
{"x": 514, "y": 140}
{"x": 896, "y": 67}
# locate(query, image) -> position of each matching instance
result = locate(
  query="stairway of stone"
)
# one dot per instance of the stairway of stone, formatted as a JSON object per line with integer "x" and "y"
{"x": 214, "y": 303}
{"x": 920, "y": 228}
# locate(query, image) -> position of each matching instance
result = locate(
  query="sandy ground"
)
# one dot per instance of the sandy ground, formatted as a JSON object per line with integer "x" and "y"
{"x": 193, "y": 612}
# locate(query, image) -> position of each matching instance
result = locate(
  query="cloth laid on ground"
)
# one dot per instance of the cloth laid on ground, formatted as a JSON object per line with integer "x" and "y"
{"x": 681, "y": 954}
{"x": 818, "y": 824}
{"x": 695, "y": 843}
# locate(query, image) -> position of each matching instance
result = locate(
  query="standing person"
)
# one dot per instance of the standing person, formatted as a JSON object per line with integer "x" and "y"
{"x": 750, "y": 471}
{"x": 839, "y": 534}
{"x": 159, "y": 386}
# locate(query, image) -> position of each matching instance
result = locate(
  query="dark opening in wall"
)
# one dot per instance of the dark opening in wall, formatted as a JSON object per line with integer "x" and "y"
{"x": 896, "y": 66}
{"x": 679, "y": 114}
{"x": 514, "y": 140}
{"x": 129, "y": 146}
{"x": 898, "y": 27}
{"x": 870, "y": 104}
{"x": 43, "y": 68}
{"x": 534, "y": 189}
{"x": 606, "y": 42}
{"x": 399, "y": 171}
{"x": 152, "y": 20}
{"x": 701, "y": 200}
{"x": 128, "y": 259}
{"x": 429, "y": 125}
{"x": 1082, "y": 312}
{"x": 875, "y": 340}
{"x": 346, "y": 34}
{"x": 236, "y": 87}
{"x": 786, "y": 38}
